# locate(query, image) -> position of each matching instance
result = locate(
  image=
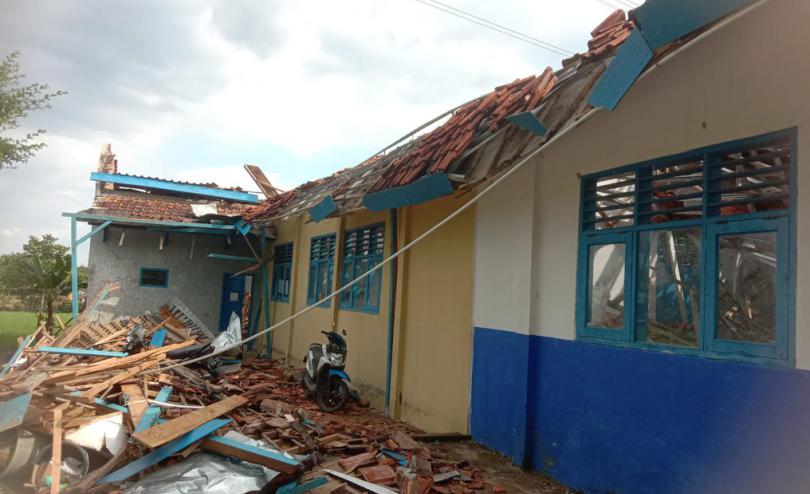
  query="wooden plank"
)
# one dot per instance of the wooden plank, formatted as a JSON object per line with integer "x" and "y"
{"x": 115, "y": 363}
{"x": 166, "y": 451}
{"x": 98, "y": 388}
{"x": 261, "y": 456}
{"x": 153, "y": 412}
{"x": 136, "y": 402}
{"x": 376, "y": 489}
{"x": 84, "y": 352}
{"x": 12, "y": 412}
{"x": 20, "y": 348}
{"x": 56, "y": 448}
{"x": 161, "y": 434}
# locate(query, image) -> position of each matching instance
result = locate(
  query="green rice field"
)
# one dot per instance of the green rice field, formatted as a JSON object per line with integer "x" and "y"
{"x": 14, "y": 324}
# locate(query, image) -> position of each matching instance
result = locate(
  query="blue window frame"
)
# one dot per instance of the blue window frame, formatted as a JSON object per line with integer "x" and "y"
{"x": 321, "y": 268}
{"x": 154, "y": 278}
{"x": 693, "y": 253}
{"x": 362, "y": 249}
{"x": 282, "y": 272}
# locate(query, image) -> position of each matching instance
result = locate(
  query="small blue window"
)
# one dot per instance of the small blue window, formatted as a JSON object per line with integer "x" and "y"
{"x": 154, "y": 277}
{"x": 282, "y": 272}
{"x": 362, "y": 250}
{"x": 693, "y": 253}
{"x": 321, "y": 268}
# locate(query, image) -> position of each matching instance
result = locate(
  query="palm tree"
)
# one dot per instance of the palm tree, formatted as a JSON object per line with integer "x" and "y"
{"x": 41, "y": 270}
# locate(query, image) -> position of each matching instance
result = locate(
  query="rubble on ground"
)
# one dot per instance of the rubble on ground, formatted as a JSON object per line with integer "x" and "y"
{"x": 95, "y": 400}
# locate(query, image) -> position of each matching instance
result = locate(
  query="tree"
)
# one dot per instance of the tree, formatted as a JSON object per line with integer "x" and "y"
{"x": 16, "y": 100}
{"x": 42, "y": 270}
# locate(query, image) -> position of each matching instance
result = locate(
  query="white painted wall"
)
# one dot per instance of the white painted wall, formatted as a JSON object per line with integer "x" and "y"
{"x": 503, "y": 253}
{"x": 193, "y": 278}
{"x": 750, "y": 78}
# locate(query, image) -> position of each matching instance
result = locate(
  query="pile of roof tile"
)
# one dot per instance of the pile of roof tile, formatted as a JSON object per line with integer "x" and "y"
{"x": 98, "y": 401}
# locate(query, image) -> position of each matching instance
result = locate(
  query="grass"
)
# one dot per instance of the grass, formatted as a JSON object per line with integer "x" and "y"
{"x": 14, "y": 324}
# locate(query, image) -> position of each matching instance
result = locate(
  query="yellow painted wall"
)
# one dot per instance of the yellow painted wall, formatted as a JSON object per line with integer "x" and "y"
{"x": 366, "y": 332}
{"x": 434, "y": 331}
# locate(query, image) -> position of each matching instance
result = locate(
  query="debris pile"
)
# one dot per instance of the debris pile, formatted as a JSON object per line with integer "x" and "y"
{"x": 98, "y": 402}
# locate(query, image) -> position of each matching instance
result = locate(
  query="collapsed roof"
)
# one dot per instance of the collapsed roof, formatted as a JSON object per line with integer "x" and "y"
{"x": 475, "y": 140}
{"x": 479, "y": 140}
{"x": 137, "y": 197}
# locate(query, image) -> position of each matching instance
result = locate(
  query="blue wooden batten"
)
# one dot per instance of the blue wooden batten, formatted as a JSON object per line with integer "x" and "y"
{"x": 664, "y": 21}
{"x": 323, "y": 209}
{"x": 177, "y": 187}
{"x": 528, "y": 121}
{"x": 152, "y": 414}
{"x": 85, "y": 352}
{"x": 12, "y": 412}
{"x": 158, "y": 338}
{"x": 423, "y": 190}
{"x": 20, "y": 348}
{"x": 633, "y": 56}
{"x": 164, "y": 452}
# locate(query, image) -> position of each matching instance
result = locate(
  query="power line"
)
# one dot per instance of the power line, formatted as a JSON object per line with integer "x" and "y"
{"x": 618, "y": 4}
{"x": 495, "y": 27}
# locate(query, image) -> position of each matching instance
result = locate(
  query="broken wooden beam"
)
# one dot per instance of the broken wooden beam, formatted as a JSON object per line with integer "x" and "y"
{"x": 166, "y": 451}
{"x": 160, "y": 434}
{"x": 153, "y": 412}
{"x": 82, "y": 352}
{"x": 261, "y": 456}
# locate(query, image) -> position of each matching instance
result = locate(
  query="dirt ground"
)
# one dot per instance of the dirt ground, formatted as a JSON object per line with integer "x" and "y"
{"x": 499, "y": 470}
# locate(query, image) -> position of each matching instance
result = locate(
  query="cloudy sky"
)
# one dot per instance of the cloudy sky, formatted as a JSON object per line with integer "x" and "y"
{"x": 193, "y": 89}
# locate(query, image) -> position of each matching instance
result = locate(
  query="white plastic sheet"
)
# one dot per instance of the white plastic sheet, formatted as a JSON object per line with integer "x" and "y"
{"x": 231, "y": 336}
{"x": 205, "y": 473}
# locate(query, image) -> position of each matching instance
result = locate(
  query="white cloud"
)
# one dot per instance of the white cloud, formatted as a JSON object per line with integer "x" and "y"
{"x": 291, "y": 82}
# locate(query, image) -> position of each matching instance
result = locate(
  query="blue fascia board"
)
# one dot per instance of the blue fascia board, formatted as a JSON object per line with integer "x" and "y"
{"x": 12, "y": 411}
{"x": 323, "y": 209}
{"x": 279, "y": 457}
{"x": 242, "y": 226}
{"x": 152, "y": 414}
{"x": 158, "y": 338}
{"x": 425, "y": 189}
{"x": 86, "y": 352}
{"x": 528, "y": 121}
{"x": 120, "y": 220}
{"x": 228, "y": 257}
{"x": 164, "y": 452}
{"x": 633, "y": 56}
{"x": 20, "y": 348}
{"x": 664, "y": 21}
{"x": 167, "y": 185}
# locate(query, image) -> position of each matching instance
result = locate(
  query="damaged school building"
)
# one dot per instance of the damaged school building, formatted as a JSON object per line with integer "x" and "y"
{"x": 619, "y": 312}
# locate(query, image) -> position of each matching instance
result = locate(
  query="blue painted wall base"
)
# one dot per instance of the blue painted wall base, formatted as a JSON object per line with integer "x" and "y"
{"x": 615, "y": 420}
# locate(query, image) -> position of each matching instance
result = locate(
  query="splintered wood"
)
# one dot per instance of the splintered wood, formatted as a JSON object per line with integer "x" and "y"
{"x": 134, "y": 416}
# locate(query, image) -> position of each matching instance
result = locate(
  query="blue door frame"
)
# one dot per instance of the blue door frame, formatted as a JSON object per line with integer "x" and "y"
{"x": 233, "y": 296}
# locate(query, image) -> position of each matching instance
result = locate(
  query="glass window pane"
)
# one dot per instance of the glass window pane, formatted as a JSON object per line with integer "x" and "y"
{"x": 374, "y": 287}
{"x": 360, "y": 288}
{"x": 669, "y": 286}
{"x": 746, "y": 292}
{"x": 614, "y": 201}
{"x": 606, "y": 286}
{"x": 323, "y": 280}
{"x": 348, "y": 276}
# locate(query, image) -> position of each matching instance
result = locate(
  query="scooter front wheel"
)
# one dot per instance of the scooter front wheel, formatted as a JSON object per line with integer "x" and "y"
{"x": 333, "y": 394}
